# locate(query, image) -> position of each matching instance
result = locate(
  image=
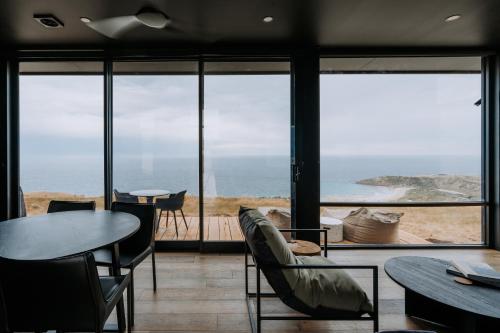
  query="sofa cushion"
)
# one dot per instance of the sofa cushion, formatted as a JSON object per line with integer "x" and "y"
{"x": 311, "y": 291}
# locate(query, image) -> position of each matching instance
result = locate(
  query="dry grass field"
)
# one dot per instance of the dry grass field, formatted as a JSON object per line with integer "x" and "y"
{"x": 437, "y": 225}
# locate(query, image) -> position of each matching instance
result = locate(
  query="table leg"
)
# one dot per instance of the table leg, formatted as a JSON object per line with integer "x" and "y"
{"x": 120, "y": 307}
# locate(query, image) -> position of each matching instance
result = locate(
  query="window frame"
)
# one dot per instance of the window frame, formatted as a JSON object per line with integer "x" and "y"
{"x": 490, "y": 66}
{"x": 486, "y": 153}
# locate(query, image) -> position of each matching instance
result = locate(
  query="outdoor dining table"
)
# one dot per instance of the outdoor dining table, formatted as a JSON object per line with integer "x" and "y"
{"x": 63, "y": 234}
{"x": 149, "y": 194}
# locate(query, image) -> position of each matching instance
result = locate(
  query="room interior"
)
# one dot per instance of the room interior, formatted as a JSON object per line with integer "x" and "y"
{"x": 250, "y": 166}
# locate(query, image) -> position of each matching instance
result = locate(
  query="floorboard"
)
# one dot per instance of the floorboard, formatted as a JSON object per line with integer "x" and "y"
{"x": 204, "y": 293}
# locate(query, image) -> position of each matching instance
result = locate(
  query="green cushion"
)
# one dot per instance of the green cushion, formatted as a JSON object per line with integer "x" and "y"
{"x": 328, "y": 288}
{"x": 279, "y": 247}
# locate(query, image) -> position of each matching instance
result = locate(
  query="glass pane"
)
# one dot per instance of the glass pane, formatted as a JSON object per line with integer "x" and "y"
{"x": 247, "y": 145}
{"x": 405, "y": 130}
{"x": 61, "y": 133}
{"x": 406, "y": 225}
{"x": 156, "y": 141}
{"x": 401, "y": 137}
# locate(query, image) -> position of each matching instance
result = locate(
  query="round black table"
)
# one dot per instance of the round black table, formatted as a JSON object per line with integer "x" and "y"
{"x": 432, "y": 294}
{"x": 149, "y": 194}
{"x": 62, "y": 234}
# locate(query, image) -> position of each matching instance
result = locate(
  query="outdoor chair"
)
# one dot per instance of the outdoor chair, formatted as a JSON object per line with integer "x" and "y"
{"x": 136, "y": 248}
{"x": 314, "y": 286}
{"x": 171, "y": 204}
{"x": 125, "y": 197}
{"x": 66, "y": 206}
{"x": 65, "y": 294}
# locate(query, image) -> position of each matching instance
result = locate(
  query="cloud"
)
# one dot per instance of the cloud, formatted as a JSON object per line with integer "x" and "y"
{"x": 419, "y": 114}
{"x": 250, "y": 115}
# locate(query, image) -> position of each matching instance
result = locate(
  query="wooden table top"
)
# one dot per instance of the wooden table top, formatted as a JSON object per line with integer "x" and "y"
{"x": 304, "y": 248}
{"x": 62, "y": 234}
{"x": 428, "y": 277}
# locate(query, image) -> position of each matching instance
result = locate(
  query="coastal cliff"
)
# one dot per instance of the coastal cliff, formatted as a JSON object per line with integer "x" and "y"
{"x": 431, "y": 187}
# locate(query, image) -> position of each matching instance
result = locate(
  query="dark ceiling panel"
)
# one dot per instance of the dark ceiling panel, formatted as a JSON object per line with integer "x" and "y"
{"x": 327, "y": 23}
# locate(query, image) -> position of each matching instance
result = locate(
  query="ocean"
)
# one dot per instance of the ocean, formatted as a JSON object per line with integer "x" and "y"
{"x": 258, "y": 176}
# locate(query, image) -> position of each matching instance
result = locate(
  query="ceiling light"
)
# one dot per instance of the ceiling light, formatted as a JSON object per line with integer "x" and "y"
{"x": 268, "y": 19}
{"x": 85, "y": 19}
{"x": 452, "y": 18}
{"x": 48, "y": 21}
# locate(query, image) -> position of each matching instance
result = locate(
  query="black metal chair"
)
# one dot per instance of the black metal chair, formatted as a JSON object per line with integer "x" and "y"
{"x": 265, "y": 260}
{"x": 171, "y": 204}
{"x": 135, "y": 249}
{"x": 63, "y": 294}
{"x": 22, "y": 203}
{"x": 125, "y": 197}
{"x": 66, "y": 206}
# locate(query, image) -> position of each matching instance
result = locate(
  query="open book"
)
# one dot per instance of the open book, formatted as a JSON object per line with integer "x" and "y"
{"x": 479, "y": 272}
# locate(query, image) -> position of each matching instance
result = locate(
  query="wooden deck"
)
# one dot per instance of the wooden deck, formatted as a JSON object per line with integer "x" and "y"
{"x": 226, "y": 228}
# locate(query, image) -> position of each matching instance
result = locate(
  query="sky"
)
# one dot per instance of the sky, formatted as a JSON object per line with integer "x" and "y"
{"x": 361, "y": 114}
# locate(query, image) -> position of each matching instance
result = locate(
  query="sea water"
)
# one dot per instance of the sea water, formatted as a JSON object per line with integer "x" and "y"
{"x": 256, "y": 176}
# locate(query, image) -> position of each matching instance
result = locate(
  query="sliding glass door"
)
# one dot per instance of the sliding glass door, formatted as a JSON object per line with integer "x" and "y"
{"x": 246, "y": 144}
{"x": 155, "y": 142}
{"x": 402, "y": 144}
{"x": 61, "y": 133}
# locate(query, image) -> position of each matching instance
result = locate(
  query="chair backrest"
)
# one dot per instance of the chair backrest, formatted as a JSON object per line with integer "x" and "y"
{"x": 61, "y": 294}
{"x": 66, "y": 206}
{"x": 22, "y": 207}
{"x": 144, "y": 237}
{"x": 269, "y": 248}
{"x": 174, "y": 202}
{"x": 125, "y": 197}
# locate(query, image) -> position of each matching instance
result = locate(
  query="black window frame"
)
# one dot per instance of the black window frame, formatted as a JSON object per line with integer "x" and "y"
{"x": 486, "y": 156}
{"x": 9, "y": 141}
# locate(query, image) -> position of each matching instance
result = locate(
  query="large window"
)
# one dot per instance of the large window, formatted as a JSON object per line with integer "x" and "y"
{"x": 155, "y": 128}
{"x": 246, "y": 144}
{"x": 405, "y": 131}
{"x": 61, "y": 133}
{"x": 401, "y": 143}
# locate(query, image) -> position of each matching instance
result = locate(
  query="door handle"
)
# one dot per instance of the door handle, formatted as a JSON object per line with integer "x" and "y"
{"x": 295, "y": 173}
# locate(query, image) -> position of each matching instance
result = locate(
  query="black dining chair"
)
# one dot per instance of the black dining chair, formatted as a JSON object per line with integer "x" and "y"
{"x": 136, "y": 248}
{"x": 171, "y": 204}
{"x": 64, "y": 294}
{"x": 125, "y": 197}
{"x": 66, "y": 206}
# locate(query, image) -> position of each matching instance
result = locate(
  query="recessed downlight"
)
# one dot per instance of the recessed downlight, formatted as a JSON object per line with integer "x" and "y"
{"x": 268, "y": 19}
{"x": 48, "y": 21}
{"x": 453, "y": 18}
{"x": 85, "y": 19}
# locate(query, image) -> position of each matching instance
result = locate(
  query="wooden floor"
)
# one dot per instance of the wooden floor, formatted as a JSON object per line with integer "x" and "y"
{"x": 204, "y": 293}
{"x": 225, "y": 228}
